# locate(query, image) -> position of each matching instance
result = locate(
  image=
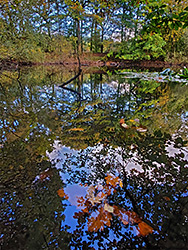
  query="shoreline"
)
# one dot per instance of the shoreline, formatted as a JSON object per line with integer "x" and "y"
{"x": 100, "y": 63}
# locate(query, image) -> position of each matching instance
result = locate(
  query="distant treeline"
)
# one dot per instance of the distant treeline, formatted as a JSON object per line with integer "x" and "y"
{"x": 36, "y": 30}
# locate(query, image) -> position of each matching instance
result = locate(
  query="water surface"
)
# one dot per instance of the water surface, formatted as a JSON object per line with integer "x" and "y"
{"x": 99, "y": 165}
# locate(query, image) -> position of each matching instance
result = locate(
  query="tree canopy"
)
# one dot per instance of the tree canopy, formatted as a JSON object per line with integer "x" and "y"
{"x": 126, "y": 29}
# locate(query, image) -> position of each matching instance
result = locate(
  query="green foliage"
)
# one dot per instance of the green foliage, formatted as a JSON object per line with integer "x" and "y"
{"x": 144, "y": 30}
{"x": 161, "y": 18}
{"x": 149, "y": 46}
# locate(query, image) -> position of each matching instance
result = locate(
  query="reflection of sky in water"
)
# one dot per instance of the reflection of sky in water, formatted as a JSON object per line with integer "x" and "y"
{"x": 62, "y": 100}
{"x": 59, "y": 156}
{"x": 74, "y": 191}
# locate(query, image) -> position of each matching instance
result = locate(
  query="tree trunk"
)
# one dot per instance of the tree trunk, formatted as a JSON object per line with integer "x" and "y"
{"x": 91, "y": 42}
{"x": 102, "y": 39}
{"x": 78, "y": 36}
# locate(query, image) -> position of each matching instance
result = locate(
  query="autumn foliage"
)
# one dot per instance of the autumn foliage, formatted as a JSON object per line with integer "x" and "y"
{"x": 100, "y": 214}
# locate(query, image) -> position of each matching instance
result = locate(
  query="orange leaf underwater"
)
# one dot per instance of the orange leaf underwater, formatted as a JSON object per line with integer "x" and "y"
{"x": 144, "y": 229}
{"x": 113, "y": 181}
{"x": 62, "y": 194}
{"x": 98, "y": 222}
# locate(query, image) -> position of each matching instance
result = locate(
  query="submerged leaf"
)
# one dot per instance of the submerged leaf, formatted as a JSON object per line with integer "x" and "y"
{"x": 45, "y": 174}
{"x": 124, "y": 125}
{"x": 62, "y": 194}
{"x": 141, "y": 129}
{"x": 113, "y": 180}
{"x": 76, "y": 129}
{"x": 166, "y": 198}
{"x": 108, "y": 208}
{"x": 98, "y": 222}
{"x": 144, "y": 229}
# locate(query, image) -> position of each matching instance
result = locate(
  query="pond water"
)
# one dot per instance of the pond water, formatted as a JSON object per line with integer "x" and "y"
{"x": 101, "y": 164}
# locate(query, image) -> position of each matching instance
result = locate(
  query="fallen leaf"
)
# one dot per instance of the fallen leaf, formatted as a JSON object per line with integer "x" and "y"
{"x": 77, "y": 215}
{"x": 99, "y": 187}
{"x": 144, "y": 229}
{"x": 96, "y": 223}
{"x": 95, "y": 199}
{"x": 166, "y": 198}
{"x": 121, "y": 183}
{"x": 108, "y": 208}
{"x": 121, "y": 213}
{"x": 90, "y": 191}
{"x": 76, "y": 129}
{"x": 62, "y": 194}
{"x": 113, "y": 180}
{"x": 133, "y": 217}
{"x": 108, "y": 190}
{"x": 101, "y": 195}
{"x": 85, "y": 210}
{"x": 83, "y": 204}
{"x": 80, "y": 201}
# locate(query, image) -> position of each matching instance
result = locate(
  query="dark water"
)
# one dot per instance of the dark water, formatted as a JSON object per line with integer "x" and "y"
{"x": 100, "y": 165}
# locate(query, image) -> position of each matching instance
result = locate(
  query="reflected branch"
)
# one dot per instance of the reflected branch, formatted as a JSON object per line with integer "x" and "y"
{"x": 18, "y": 80}
{"x": 70, "y": 80}
{"x": 74, "y": 91}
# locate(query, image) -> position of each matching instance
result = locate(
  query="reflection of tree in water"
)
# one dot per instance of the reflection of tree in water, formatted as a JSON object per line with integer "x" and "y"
{"x": 31, "y": 209}
{"x": 38, "y": 112}
{"x": 152, "y": 201}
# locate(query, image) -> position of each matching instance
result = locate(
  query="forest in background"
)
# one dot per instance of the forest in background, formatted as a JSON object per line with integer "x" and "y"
{"x": 45, "y": 30}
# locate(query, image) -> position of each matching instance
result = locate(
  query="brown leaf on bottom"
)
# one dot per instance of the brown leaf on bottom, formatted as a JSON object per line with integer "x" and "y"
{"x": 98, "y": 222}
{"x": 144, "y": 229}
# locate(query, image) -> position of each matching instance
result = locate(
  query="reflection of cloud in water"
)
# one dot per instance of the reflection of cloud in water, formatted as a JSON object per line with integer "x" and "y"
{"x": 75, "y": 191}
{"x": 60, "y": 153}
